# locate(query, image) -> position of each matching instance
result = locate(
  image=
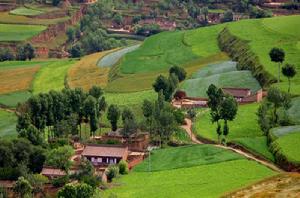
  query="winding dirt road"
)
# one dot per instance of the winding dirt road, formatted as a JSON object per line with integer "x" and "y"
{"x": 188, "y": 128}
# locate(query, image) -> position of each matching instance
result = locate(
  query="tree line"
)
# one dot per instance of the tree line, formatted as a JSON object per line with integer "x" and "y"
{"x": 23, "y": 52}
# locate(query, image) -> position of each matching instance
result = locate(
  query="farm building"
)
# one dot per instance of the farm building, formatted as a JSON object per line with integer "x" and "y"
{"x": 242, "y": 95}
{"x": 136, "y": 142}
{"x": 104, "y": 155}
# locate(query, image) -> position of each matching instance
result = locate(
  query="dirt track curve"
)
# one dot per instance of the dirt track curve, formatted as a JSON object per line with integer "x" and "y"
{"x": 188, "y": 128}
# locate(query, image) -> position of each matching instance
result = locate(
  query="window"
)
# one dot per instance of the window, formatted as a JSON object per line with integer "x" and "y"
{"x": 99, "y": 159}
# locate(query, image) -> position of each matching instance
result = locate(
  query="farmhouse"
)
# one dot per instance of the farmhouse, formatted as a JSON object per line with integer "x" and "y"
{"x": 242, "y": 95}
{"x": 104, "y": 155}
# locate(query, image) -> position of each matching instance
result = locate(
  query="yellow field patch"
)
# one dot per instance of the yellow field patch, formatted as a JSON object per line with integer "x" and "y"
{"x": 85, "y": 73}
{"x": 18, "y": 79}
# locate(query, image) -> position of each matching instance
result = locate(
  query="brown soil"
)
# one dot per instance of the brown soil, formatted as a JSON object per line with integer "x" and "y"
{"x": 285, "y": 185}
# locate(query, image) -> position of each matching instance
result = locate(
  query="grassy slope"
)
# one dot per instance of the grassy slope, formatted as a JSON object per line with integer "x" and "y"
{"x": 7, "y": 124}
{"x": 12, "y": 99}
{"x": 294, "y": 110}
{"x": 186, "y": 180}
{"x": 288, "y": 146}
{"x": 264, "y": 34}
{"x": 52, "y": 76}
{"x": 187, "y": 156}
{"x": 25, "y": 11}
{"x": 10, "y": 32}
{"x": 244, "y": 125}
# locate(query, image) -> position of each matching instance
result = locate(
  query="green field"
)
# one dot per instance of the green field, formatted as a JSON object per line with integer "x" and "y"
{"x": 10, "y": 32}
{"x": 185, "y": 178}
{"x": 52, "y": 76}
{"x": 288, "y": 146}
{"x": 187, "y": 156}
{"x": 22, "y": 64}
{"x": 282, "y": 131}
{"x": 264, "y": 34}
{"x": 7, "y": 124}
{"x": 244, "y": 125}
{"x": 294, "y": 110}
{"x": 12, "y": 99}
{"x": 25, "y": 11}
{"x": 131, "y": 98}
{"x": 222, "y": 74}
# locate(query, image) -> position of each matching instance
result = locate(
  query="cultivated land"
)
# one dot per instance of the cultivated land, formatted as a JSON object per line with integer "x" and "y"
{"x": 52, "y": 76}
{"x": 18, "y": 79}
{"x": 25, "y": 11}
{"x": 7, "y": 124}
{"x": 12, "y": 99}
{"x": 222, "y": 74}
{"x": 192, "y": 177}
{"x": 12, "y": 32}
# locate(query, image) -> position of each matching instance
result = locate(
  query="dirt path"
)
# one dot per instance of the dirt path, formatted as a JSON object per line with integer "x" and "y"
{"x": 285, "y": 185}
{"x": 8, "y": 110}
{"x": 188, "y": 129}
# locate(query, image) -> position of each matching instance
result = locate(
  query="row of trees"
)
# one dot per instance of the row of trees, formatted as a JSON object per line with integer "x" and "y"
{"x": 23, "y": 52}
{"x": 61, "y": 113}
{"x": 222, "y": 107}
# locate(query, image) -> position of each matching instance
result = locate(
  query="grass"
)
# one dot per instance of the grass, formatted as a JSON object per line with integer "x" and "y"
{"x": 8, "y": 122}
{"x": 287, "y": 146}
{"x": 223, "y": 74}
{"x": 128, "y": 99}
{"x": 52, "y": 76}
{"x": 257, "y": 145}
{"x": 22, "y": 64}
{"x": 193, "y": 173}
{"x": 244, "y": 125}
{"x": 186, "y": 156}
{"x": 12, "y": 99}
{"x": 278, "y": 132}
{"x": 294, "y": 110}
{"x": 85, "y": 73}
{"x": 12, "y": 32}
{"x": 25, "y": 11}
{"x": 17, "y": 79}
{"x": 264, "y": 34}
{"x": 7, "y": 18}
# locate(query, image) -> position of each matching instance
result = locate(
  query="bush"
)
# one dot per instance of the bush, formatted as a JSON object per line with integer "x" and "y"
{"x": 123, "y": 167}
{"x": 112, "y": 172}
{"x": 179, "y": 116}
{"x": 9, "y": 173}
{"x": 6, "y": 54}
{"x": 60, "y": 181}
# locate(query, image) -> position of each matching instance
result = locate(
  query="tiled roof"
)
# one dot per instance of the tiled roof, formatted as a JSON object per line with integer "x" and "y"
{"x": 104, "y": 151}
{"x": 237, "y": 92}
{"x": 53, "y": 171}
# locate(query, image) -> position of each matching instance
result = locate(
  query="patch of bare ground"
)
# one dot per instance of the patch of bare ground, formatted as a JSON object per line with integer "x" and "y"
{"x": 283, "y": 185}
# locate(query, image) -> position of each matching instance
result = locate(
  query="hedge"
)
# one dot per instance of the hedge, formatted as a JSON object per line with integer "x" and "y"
{"x": 240, "y": 51}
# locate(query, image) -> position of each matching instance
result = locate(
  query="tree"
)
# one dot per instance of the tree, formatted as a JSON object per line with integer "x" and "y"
{"x": 112, "y": 172}
{"x": 90, "y": 111}
{"x": 179, "y": 72}
{"x": 161, "y": 83}
{"x": 71, "y": 34}
{"x": 277, "y": 55}
{"x": 204, "y": 11}
{"x": 228, "y": 112}
{"x": 32, "y": 134}
{"x": 228, "y": 16}
{"x": 20, "y": 53}
{"x": 277, "y": 99}
{"x": 289, "y": 71}
{"x": 29, "y": 50}
{"x": 215, "y": 98}
{"x": 80, "y": 190}
{"x": 59, "y": 157}
{"x": 113, "y": 116}
{"x": 37, "y": 182}
{"x": 96, "y": 92}
{"x": 22, "y": 187}
{"x": 76, "y": 51}
{"x": 123, "y": 167}
{"x": 118, "y": 19}
{"x": 6, "y": 54}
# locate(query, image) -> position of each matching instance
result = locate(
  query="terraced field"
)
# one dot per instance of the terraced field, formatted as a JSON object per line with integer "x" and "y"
{"x": 222, "y": 74}
{"x": 195, "y": 173}
{"x": 23, "y": 11}
{"x": 12, "y": 32}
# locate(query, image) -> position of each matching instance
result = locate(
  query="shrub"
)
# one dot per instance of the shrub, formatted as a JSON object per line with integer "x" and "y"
{"x": 9, "y": 173}
{"x": 60, "y": 181}
{"x": 112, "y": 172}
{"x": 123, "y": 167}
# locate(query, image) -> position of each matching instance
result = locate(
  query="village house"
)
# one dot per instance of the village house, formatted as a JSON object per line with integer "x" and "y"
{"x": 104, "y": 155}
